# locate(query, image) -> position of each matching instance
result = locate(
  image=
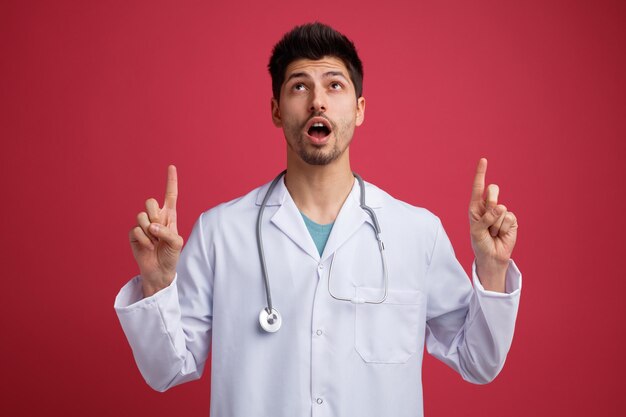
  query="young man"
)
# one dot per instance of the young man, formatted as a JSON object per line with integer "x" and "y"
{"x": 342, "y": 329}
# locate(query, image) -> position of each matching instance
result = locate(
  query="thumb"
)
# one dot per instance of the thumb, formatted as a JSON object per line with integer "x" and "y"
{"x": 166, "y": 235}
{"x": 491, "y": 216}
{"x": 488, "y": 219}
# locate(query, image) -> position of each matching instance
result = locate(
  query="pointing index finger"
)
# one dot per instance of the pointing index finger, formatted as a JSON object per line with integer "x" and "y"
{"x": 171, "y": 188}
{"x": 478, "y": 187}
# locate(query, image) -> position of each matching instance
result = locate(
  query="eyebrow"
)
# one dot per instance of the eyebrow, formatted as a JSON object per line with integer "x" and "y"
{"x": 325, "y": 75}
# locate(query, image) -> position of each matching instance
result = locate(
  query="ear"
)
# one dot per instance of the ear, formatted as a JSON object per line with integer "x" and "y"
{"x": 276, "y": 119}
{"x": 360, "y": 110}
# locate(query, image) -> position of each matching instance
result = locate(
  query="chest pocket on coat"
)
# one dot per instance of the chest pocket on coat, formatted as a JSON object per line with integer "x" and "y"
{"x": 389, "y": 332}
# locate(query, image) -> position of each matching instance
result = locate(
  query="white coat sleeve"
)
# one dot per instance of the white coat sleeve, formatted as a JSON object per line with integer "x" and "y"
{"x": 170, "y": 332}
{"x": 469, "y": 329}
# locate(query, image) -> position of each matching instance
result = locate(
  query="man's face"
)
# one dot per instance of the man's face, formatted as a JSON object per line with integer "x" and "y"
{"x": 318, "y": 110}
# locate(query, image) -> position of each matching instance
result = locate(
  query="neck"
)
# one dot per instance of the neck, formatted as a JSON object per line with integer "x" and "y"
{"x": 319, "y": 191}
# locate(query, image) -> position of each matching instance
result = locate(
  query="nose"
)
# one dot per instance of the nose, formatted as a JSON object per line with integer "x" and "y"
{"x": 318, "y": 100}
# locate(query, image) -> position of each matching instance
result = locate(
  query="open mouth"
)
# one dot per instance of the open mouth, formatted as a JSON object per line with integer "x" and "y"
{"x": 319, "y": 129}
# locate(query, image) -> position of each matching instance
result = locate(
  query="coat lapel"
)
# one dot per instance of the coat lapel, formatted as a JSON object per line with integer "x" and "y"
{"x": 289, "y": 220}
{"x": 351, "y": 217}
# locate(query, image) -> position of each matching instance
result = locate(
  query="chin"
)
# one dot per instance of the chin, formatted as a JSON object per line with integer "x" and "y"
{"x": 319, "y": 157}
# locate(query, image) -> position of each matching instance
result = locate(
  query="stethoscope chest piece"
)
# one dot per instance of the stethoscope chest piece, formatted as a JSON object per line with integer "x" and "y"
{"x": 270, "y": 322}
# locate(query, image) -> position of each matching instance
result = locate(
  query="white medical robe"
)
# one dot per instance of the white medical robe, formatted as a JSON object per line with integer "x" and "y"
{"x": 330, "y": 358}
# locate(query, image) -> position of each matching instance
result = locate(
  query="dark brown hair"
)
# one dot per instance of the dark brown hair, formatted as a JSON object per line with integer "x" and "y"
{"x": 314, "y": 41}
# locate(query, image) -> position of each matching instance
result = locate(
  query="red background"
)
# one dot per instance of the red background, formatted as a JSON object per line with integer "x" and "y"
{"x": 98, "y": 97}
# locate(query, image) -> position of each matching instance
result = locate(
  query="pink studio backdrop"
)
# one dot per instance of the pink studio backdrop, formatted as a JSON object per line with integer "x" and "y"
{"x": 98, "y": 97}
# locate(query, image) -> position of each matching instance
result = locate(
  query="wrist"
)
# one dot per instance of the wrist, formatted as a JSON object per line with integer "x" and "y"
{"x": 492, "y": 274}
{"x": 152, "y": 286}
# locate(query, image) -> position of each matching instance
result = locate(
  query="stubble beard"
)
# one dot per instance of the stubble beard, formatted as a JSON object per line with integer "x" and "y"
{"x": 319, "y": 155}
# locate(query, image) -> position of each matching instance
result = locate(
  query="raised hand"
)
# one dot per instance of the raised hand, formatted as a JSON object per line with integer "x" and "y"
{"x": 155, "y": 241}
{"x": 493, "y": 231}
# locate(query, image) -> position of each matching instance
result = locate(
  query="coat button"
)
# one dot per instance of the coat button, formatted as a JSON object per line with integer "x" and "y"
{"x": 319, "y": 401}
{"x": 319, "y": 332}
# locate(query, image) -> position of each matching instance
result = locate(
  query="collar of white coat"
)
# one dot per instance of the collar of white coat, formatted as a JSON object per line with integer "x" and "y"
{"x": 373, "y": 194}
{"x": 351, "y": 216}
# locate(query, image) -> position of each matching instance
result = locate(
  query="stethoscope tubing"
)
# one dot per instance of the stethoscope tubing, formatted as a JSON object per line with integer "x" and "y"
{"x": 269, "y": 318}
{"x": 259, "y": 240}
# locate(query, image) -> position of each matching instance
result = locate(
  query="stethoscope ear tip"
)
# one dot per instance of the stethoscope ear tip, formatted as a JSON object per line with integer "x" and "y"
{"x": 270, "y": 321}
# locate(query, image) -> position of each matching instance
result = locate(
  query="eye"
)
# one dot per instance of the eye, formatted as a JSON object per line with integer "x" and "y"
{"x": 335, "y": 85}
{"x": 299, "y": 87}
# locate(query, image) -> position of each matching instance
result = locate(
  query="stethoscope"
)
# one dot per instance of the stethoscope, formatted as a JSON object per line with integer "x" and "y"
{"x": 269, "y": 317}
